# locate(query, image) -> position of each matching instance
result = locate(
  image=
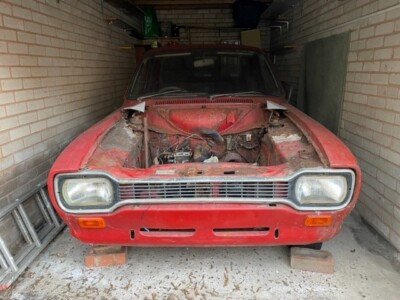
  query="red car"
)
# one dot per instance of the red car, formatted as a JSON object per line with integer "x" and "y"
{"x": 205, "y": 151}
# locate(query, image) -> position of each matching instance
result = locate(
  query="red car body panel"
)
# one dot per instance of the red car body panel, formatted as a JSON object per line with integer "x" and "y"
{"x": 204, "y": 224}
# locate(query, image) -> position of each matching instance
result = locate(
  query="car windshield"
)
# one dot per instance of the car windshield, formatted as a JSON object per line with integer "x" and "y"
{"x": 204, "y": 72}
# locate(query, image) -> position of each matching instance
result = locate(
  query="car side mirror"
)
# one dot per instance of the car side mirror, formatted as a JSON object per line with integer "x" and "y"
{"x": 288, "y": 88}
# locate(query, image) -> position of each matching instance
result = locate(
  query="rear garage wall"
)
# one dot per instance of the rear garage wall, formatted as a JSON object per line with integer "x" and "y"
{"x": 370, "y": 122}
{"x": 207, "y": 26}
{"x": 60, "y": 71}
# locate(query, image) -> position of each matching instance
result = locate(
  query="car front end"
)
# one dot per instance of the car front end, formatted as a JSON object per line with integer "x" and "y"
{"x": 194, "y": 165}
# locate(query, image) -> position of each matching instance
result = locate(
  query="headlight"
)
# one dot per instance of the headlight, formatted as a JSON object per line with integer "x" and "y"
{"x": 87, "y": 191}
{"x": 321, "y": 189}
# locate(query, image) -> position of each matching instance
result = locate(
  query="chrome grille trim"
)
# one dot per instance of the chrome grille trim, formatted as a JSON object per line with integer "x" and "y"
{"x": 181, "y": 190}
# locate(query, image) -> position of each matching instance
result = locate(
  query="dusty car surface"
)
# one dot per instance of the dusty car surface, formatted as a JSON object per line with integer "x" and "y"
{"x": 205, "y": 151}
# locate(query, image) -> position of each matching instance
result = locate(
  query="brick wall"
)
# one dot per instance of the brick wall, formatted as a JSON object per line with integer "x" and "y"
{"x": 216, "y": 20}
{"x": 370, "y": 123}
{"x": 61, "y": 70}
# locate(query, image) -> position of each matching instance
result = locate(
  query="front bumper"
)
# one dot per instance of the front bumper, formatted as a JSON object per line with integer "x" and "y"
{"x": 206, "y": 225}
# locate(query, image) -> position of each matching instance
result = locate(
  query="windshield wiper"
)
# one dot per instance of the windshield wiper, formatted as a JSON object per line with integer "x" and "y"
{"x": 161, "y": 94}
{"x": 254, "y": 93}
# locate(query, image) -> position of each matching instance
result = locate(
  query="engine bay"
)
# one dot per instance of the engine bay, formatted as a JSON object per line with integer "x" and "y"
{"x": 207, "y": 147}
{"x": 246, "y": 136}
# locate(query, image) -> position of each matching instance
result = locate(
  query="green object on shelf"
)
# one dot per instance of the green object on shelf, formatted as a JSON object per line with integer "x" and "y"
{"x": 151, "y": 26}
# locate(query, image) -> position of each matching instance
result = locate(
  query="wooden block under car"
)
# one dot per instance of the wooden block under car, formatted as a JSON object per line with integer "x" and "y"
{"x": 102, "y": 256}
{"x": 311, "y": 260}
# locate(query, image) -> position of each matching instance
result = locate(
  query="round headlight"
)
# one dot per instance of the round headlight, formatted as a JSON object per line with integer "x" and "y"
{"x": 87, "y": 191}
{"x": 321, "y": 189}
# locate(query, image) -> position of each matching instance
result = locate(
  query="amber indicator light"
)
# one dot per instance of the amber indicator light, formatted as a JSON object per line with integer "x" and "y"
{"x": 91, "y": 222}
{"x": 318, "y": 221}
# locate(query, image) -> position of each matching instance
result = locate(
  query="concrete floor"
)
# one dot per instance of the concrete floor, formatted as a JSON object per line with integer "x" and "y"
{"x": 364, "y": 269}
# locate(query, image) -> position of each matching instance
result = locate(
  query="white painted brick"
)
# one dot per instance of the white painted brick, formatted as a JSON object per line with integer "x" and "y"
{"x": 385, "y": 115}
{"x": 392, "y": 104}
{"x": 28, "y": 60}
{"x": 32, "y": 83}
{"x": 5, "y": 8}
{"x": 27, "y": 118}
{"x": 390, "y": 66}
{"x": 11, "y": 84}
{"x": 375, "y": 42}
{"x": 377, "y": 102}
{"x": 359, "y": 98}
{"x": 383, "y": 54}
{"x": 352, "y": 56}
{"x": 32, "y": 139}
{"x": 39, "y": 18}
{"x": 22, "y": 13}
{"x": 365, "y": 55}
{"x": 53, "y": 121}
{"x": 32, "y": 27}
{"x": 8, "y": 35}
{"x": 367, "y": 32}
{"x": 382, "y": 139}
{"x": 3, "y": 47}
{"x": 35, "y": 105}
{"x": 13, "y": 23}
{"x": 19, "y": 132}
{"x": 394, "y": 79}
{"x": 362, "y": 77}
{"x": 357, "y": 45}
{"x": 17, "y": 48}
{"x": 391, "y": 156}
{"x": 388, "y": 91}
{"x": 12, "y": 147}
{"x": 50, "y": 31}
{"x": 379, "y": 78}
{"x": 23, "y": 95}
{"x": 384, "y": 28}
{"x": 48, "y": 133}
{"x": 25, "y": 154}
{"x": 38, "y": 126}
{"x": 38, "y": 72}
{"x": 386, "y": 3}
{"x": 18, "y": 72}
{"x": 396, "y": 52}
{"x": 9, "y": 60}
{"x": 6, "y": 162}
{"x": 37, "y": 50}
{"x": 45, "y": 113}
{"x": 43, "y": 40}
{"x": 16, "y": 108}
{"x": 2, "y": 112}
{"x": 354, "y": 66}
{"x": 392, "y": 40}
{"x": 26, "y": 37}
{"x": 4, "y": 72}
{"x": 393, "y": 14}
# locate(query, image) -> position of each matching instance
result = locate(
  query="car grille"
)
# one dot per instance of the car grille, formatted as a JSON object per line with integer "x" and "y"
{"x": 204, "y": 190}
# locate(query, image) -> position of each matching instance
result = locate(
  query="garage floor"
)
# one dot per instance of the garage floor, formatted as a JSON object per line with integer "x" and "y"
{"x": 364, "y": 269}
